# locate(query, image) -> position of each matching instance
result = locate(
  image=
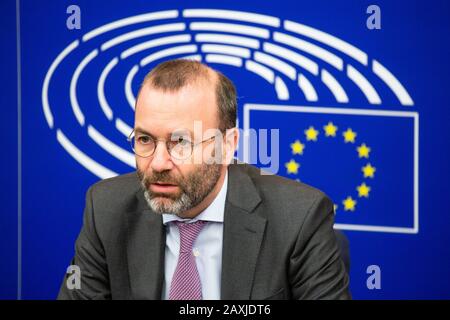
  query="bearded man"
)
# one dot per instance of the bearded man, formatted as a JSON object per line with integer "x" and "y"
{"x": 191, "y": 222}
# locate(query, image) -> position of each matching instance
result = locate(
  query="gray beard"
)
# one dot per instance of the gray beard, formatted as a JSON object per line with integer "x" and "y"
{"x": 194, "y": 189}
{"x": 182, "y": 204}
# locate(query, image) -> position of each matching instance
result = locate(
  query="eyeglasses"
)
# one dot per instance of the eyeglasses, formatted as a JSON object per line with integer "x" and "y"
{"x": 179, "y": 147}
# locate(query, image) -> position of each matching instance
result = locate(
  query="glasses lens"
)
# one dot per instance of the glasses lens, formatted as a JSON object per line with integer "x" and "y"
{"x": 142, "y": 145}
{"x": 181, "y": 149}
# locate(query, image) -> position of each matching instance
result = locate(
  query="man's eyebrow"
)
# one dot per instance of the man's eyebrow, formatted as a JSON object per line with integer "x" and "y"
{"x": 182, "y": 131}
{"x": 168, "y": 136}
{"x": 140, "y": 130}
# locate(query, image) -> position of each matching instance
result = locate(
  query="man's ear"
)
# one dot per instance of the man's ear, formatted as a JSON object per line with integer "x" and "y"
{"x": 231, "y": 144}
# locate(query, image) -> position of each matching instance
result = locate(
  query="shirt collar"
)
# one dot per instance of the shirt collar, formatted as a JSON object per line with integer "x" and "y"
{"x": 214, "y": 212}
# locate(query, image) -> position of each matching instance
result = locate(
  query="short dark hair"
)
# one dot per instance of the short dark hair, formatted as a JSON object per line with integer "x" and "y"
{"x": 173, "y": 75}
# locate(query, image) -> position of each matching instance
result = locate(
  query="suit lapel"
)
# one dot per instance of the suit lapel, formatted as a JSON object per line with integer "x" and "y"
{"x": 242, "y": 236}
{"x": 145, "y": 252}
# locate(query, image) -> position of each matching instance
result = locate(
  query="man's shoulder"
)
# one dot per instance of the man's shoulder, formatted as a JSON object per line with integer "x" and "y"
{"x": 116, "y": 192}
{"x": 121, "y": 181}
{"x": 280, "y": 195}
{"x": 272, "y": 184}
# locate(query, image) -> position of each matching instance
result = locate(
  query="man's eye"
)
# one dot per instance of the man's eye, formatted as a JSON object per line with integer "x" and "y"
{"x": 143, "y": 139}
{"x": 183, "y": 141}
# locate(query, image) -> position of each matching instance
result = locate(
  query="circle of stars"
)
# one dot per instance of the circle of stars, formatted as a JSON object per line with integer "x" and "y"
{"x": 330, "y": 130}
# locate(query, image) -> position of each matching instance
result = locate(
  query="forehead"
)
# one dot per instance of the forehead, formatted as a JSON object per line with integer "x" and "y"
{"x": 162, "y": 112}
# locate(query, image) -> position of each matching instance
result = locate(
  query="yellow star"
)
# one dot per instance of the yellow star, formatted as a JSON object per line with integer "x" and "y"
{"x": 363, "y": 190}
{"x": 311, "y": 134}
{"x": 368, "y": 171}
{"x": 297, "y": 147}
{"x": 330, "y": 129}
{"x": 363, "y": 151}
{"x": 349, "y": 204}
{"x": 349, "y": 135}
{"x": 292, "y": 167}
{"x": 335, "y": 206}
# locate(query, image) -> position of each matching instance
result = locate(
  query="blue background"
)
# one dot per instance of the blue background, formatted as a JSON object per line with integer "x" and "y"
{"x": 413, "y": 44}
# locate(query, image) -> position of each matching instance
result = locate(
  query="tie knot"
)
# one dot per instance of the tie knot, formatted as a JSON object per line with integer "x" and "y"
{"x": 188, "y": 234}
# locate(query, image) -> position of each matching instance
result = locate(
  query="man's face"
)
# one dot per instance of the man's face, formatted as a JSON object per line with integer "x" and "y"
{"x": 173, "y": 185}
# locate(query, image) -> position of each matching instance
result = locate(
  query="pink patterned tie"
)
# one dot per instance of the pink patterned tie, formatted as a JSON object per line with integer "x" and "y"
{"x": 186, "y": 283}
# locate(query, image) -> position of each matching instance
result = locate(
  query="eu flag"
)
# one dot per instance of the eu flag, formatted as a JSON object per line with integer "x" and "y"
{"x": 366, "y": 161}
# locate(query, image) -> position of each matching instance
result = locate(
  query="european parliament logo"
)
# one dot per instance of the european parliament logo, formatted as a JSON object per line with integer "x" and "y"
{"x": 366, "y": 159}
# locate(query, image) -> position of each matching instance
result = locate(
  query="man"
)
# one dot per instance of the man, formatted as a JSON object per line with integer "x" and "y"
{"x": 192, "y": 223}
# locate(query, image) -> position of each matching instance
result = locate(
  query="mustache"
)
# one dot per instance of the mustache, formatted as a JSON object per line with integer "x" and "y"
{"x": 158, "y": 177}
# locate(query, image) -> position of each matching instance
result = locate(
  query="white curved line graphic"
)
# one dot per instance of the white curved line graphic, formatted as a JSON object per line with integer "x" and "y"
{"x": 123, "y": 127}
{"x": 328, "y": 40}
{"x": 307, "y": 88}
{"x": 48, "y": 76}
{"x": 260, "y": 70}
{"x": 168, "y": 14}
{"x": 392, "y": 82}
{"x": 228, "y": 50}
{"x": 192, "y": 48}
{"x": 101, "y": 88}
{"x": 281, "y": 89}
{"x": 334, "y": 86}
{"x": 172, "y": 27}
{"x": 230, "y": 27}
{"x": 227, "y": 39}
{"x": 110, "y": 147}
{"x": 155, "y": 43}
{"x": 365, "y": 86}
{"x": 276, "y": 64}
{"x": 87, "y": 162}
{"x": 196, "y": 57}
{"x": 292, "y": 56}
{"x": 310, "y": 48}
{"x": 128, "y": 90}
{"x": 223, "y": 59}
{"x": 73, "y": 86}
{"x": 232, "y": 15}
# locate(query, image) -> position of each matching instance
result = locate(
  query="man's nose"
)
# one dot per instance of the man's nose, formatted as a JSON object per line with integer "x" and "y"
{"x": 161, "y": 158}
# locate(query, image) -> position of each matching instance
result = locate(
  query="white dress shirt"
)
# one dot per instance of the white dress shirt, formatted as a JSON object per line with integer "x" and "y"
{"x": 207, "y": 248}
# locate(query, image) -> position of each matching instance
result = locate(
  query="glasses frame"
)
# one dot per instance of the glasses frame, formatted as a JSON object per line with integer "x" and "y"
{"x": 193, "y": 145}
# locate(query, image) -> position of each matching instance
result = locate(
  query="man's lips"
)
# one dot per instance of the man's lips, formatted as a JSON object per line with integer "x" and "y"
{"x": 162, "y": 187}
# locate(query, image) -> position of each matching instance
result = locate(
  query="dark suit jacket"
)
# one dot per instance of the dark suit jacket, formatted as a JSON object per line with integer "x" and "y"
{"x": 278, "y": 242}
